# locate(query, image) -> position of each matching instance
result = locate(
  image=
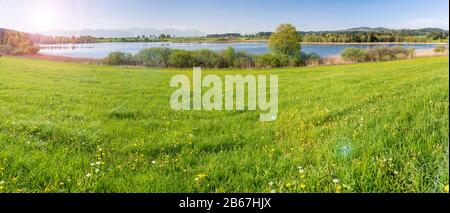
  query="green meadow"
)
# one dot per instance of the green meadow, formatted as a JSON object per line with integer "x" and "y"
{"x": 374, "y": 127}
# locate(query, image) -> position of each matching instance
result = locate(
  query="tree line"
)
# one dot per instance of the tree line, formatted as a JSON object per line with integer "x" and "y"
{"x": 14, "y": 43}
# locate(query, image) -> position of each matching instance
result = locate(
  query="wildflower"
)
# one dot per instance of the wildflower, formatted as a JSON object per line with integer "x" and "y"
{"x": 335, "y": 181}
{"x": 97, "y": 170}
{"x": 202, "y": 175}
{"x": 301, "y": 171}
{"x": 288, "y": 185}
{"x": 303, "y": 186}
{"x": 338, "y": 189}
{"x": 446, "y": 188}
{"x": 92, "y": 164}
{"x": 88, "y": 175}
{"x": 2, "y": 182}
{"x": 196, "y": 179}
{"x": 98, "y": 163}
{"x": 154, "y": 162}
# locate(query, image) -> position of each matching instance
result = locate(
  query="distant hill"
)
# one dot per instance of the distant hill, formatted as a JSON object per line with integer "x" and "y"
{"x": 132, "y": 32}
{"x": 422, "y": 31}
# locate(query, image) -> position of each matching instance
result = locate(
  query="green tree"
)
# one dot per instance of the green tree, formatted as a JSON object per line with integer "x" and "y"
{"x": 285, "y": 41}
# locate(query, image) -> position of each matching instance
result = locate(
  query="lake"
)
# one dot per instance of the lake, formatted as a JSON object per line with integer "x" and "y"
{"x": 101, "y": 50}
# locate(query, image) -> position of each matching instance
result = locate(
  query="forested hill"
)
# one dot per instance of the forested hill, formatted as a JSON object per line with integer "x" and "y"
{"x": 367, "y": 34}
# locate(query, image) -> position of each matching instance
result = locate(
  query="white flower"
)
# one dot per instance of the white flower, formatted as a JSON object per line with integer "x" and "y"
{"x": 92, "y": 164}
{"x": 197, "y": 179}
{"x": 301, "y": 171}
{"x": 154, "y": 162}
{"x": 88, "y": 175}
{"x": 98, "y": 162}
{"x": 2, "y": 182}
{"x": 97, "y": 170}
{"x": 335, "y": 181}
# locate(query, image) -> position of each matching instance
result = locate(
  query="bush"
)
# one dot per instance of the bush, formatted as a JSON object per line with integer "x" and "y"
{"x": 268, "y": 61}
{"x": 440, "y": 49}
{"x": 377, "y": 54}
{"x": 119, "y": 58}
{"x": 154, "y": 57}
{"x": 354, "y": 55}
{"x": 228, "y": 57}
{"x": 243, "y": 60}
{"x": 207, "y": 58}
{"x": 180, "y": 59}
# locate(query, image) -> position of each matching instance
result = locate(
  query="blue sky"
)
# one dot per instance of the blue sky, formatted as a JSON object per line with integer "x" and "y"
{"x": 219, "y": 16}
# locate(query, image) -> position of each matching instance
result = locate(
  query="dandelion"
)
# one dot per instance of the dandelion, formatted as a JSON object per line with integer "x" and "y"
{"x": 338, "y": 189}
{"x": 335, "y": 181}
{"x": 446, "y": 188}
{"x": 88, "y": 175}
{"x": 302, "y": 186}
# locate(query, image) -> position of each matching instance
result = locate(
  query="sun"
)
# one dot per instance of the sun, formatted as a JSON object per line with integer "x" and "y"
{"x": 45, "y": 19}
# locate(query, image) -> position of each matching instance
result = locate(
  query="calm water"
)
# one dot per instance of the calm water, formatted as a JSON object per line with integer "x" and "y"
{"x": 101, "y": 50}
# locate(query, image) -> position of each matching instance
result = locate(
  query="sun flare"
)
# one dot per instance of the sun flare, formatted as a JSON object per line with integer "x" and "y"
{"x": 45, "y": 19}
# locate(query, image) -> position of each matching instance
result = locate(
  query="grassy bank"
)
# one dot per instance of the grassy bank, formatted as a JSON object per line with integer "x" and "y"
{"x": 375, "y": 127}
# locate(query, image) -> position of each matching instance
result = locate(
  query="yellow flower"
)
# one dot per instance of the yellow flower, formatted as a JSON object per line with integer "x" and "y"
{"x": 202, "y": 175}
{"x": 446, "y": 188}
{"x": 303, "y": 186}
{"x": 338, "y": 189}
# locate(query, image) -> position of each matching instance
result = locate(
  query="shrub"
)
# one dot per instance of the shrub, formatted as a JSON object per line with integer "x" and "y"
{"x": 440, "y": 49}
{"x": 377, "y": 54}
{"x": 354, "y": 55}
{"x": 180, "y": 59}
{"x": 119, "y": 58}
{"x": 207, "y": 58}
{"x": 243, "y": 60}
{"x": 154, "y": 57}
{"x": 228, "y": 57}
{"x": 268, "y": 61}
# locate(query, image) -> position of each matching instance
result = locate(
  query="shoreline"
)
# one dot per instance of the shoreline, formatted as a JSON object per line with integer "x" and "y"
{"x": 260, "y": 41}
{"x": 327, "y": 60}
